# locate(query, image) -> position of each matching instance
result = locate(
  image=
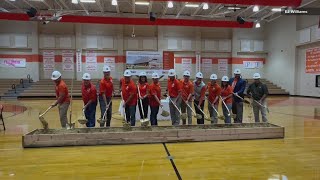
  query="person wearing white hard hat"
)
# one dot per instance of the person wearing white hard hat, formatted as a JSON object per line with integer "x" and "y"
{"x": 154, "y": 99}
{"x": 214, "y": 91}
{"x": 89, "y": 98}
{"x": 187, "y": 91}
{"x": 106, "y": 91}
{"x": 143, "y": 88}
{"x": 226, "y": 95}
{"x": 174, "y": 91}
{"x": 63, "y": 98}
{"x": 199, "y": 95}
{"x": 238, "y": 85}
{"x": 258, "y": 92}
{"x": 130, "y": 97}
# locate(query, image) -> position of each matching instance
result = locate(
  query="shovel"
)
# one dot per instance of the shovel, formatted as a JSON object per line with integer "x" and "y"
{"x": 126, "y": 125}
{"x": 225, "y": 105}
{"x": 143, "y": 121}
{"x": 207, "y": 118}
{"x": 104, "y": 114}
{"x": 219, "y": 116}
{"x": 164, "y": 113}
{"x": 42, "y": 120}
{"x": 198, "y": 116}
{"x": 244, "y": 100}
{"x": 182, "y": 115}
{"x": 262, "y": 105}
{"x": 83, "y": 120}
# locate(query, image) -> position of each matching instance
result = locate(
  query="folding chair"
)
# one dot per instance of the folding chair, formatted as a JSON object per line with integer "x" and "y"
{"x": 1, "y": 117}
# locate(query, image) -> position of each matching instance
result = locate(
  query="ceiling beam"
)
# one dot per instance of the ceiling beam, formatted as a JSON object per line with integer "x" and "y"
{"x": 150, "y": 7}
{"x": 165, "y": 8}
{"x": 181, "y": 10}
{"x": 270, "y": 14}
{"x": 260, "y": 10}
{"x": 18, "y": 8}
{"x": 133, "y": 7}
{"x": 45, "y": 3}
{"x": 101, "y": 5}
{"x": 3, "y": 9}
{"x": 64, "y": 4}
{"x": 214, "y": 9}
{"x": 249, "y": 7}
{"x": 25, "y": 1}
{"x": 84, "y": 8}
{"x": 197, "y": 10}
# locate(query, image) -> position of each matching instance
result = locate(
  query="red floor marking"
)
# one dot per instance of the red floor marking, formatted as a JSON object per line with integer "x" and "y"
{"x": 13, "y": 108}
{"x": 295, "y": 101}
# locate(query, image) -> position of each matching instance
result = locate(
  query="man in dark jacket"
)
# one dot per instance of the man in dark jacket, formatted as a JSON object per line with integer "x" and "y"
{"x": 238, "y": 85}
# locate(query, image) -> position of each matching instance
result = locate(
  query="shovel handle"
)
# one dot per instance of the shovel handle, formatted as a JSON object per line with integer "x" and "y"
{"x": 190, "y": 107}
{"x": 175, "y": 105}
{"x": 202, "y": 112}
{"x": 225, "y": 105}
{"x": 238, "y": 96}
{"x": 45, "y": 112}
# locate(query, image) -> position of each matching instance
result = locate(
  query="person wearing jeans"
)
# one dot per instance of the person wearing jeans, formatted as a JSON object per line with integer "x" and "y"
{"x": 174, "y": 88}
{"x": 226, "y": 96}
{"x": 89, "y": 97}
{"x": 186, "y": 95}
{"x": 154, "y": 99}
{"x": 238, "y": 85}
{"x": 130, "y": 97}
{"x": 258, "y": 92}
{"x": 213, "y": 98}
{"x": 199, "y": 94}
{"x": 143, "y": 102}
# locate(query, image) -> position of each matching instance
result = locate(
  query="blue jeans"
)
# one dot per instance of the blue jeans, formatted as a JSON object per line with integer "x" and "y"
{"x": 131, "y": 114}
{"x": 195, "y": 103}
{"x": 225, "y": 113}
{"x": 153, "y": 115}
{"x": 103, "y": 109}
{"x": 90, "y": 114}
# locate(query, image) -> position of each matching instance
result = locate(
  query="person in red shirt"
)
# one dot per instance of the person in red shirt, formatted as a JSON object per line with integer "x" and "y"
{"x": 143, "y": 95}
{"x": 130, "y": 97}
{"x": 226, "y": 94}
{"x": 187, "y": 91}
{"x": 174, "y": 88}
{"x": 89, "y": 98}
{"x": 63, "y": 98}
{"x": 214, "y": 92}
{"x": 106, "y": 89}
{"x": 154, "y": 99}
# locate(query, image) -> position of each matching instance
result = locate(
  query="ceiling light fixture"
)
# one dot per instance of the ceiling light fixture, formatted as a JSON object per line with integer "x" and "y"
{"x": 256, "y": 8}
{"x": 192, "y": 5}
{"x": 170, "y": 4}
{"x": 74, "y": 1}
{"x": 88, "y": 1}
{"x": 142, "y": 3}
{"x": 205, "y": 6}
{"x": 276, "y": 9}
{"x": 233, "y": 8}
{"x": 114, "y": 2}
{"x": 258, "y": 25}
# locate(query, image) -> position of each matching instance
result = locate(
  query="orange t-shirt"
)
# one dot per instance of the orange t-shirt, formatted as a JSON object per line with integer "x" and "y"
{"x": 174, "y": 87}
{"x": 62, "y": 88}
{"x": 225, "y": 92}
{"x": 154, "y": 89}
{"x": 143, "y": 88}
{"x": 106, "y": 86}
{"x": 186, "y": 89}
{"x": 214, "y": 91}
{"x": 234, "y": 83}
{"x": 89, "y": 93}
{"x": 127, "y": 90}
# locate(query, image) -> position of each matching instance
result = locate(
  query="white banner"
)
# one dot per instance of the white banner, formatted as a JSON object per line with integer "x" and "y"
{"x": 79, "y": 61}
{"x": 91, "y": 62}
{"x": 206, "y": 67}
{"x": 67, "y": 60}
{"x": 48, "y": 60}
{"x": 223, "y": 66}
{"x": 186, "y": 64}
{"x": 161, "y": 72}
{"x": 252, "y": 64}
{"x": 144, "y": 60}
{"x": 111, "y": 62}
{"x": 13, "y": 62}
{"x": 91, "y": 67}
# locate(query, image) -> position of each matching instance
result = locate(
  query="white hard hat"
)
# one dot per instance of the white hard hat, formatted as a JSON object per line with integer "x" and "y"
{"x": 143, "y": 74}
{"x": 256, "y": 76}
{"x": 213, "y": 77}
{"x": 127, "y": 73}
{"x": 86, "y": 76}
{"x": 55, "y": 75}
{"x": 225, "y": 79}
{"x": 106, "y": 69}
{"x": 186, "y": 73}
{"x": 172, "y": 72}
{"x": 237, "y": 71}
{"x": 199, "y": 75}
{"x": 155, "y": 75}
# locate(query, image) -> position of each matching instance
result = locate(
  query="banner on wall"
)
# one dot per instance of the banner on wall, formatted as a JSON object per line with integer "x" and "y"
{"x": 67, "y": 60}
{"x": 13, "y": 62}
{"x": 186, "y": 64}
{"x": 206, "y": 67}
{"x": 223, "y": 66}
{"x": 168, "y": 60}
{"x": 111, "y": 62}
{"x": 313, "y": 60}
{"x": 48, "y": 60}
{"x": 252, "y": 64}
{"x": 91, "y": 62}
{"x": 79, "y": 61}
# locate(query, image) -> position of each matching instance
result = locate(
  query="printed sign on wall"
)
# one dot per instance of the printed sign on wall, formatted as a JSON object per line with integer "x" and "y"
{"x": 223, "y": 66}
{"x": 91, "y": 62}
{"x": 67, "y": 60}
{"x": 110, "y": 61}
{"x": 313, "y": 60}
{"x": 48, "y": 60}
{"x": 186, "y": 64}
{"x": 13, "y": 62}
{"x": 206, "y": 67}
{"x": 252, "y": 64}
{"x": 79, "y": 61}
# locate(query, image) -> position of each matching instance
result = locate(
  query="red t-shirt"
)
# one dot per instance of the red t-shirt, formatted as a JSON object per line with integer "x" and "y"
{"x": 154, "y": 89}
{"x": 127, "y": 90}
{"x": 143, "y": 89}
{"x": 186, "y": 89}
{"x": 89, "y": 93}
{"x": 174, "y": 87}
{"x": 62, "y": 88}
{"x": 106, "y": 86}
{"x": 214, "y": 91}
{"x": 225, "y": 92}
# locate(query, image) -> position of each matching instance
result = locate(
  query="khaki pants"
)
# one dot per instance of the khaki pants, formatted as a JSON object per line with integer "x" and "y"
{"x": 184, "y": 109}
{"x": 63, "y": 111}
{"x": 258, "y": 108}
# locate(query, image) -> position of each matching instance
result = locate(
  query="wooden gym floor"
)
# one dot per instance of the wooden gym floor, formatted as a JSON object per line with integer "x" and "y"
{"x": 295, "y": 157}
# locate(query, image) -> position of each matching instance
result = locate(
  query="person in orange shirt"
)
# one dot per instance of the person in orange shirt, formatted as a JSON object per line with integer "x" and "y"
{"x": 130, "y": 97}
{"x": 174, "y": 88}
{"x": 143, "y": 95}
{"x": 187, "y": 91}
{"x": 214, "y": 92}
{"x": 106, "y": 91}
{"x": 154, "y": 99}
{"x": 226, "y": 94}
{"x": 89, "y": 97}
{"x": 63, "y": 98}
{"x": 199, "y": 96}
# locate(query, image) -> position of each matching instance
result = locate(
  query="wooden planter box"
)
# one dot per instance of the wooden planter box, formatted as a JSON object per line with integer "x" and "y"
{"x": 141, "y": 135}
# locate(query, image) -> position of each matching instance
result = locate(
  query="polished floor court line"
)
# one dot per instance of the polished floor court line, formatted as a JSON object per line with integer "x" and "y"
{"x": 297, "y": 156}
{"x": 172, "y": 162}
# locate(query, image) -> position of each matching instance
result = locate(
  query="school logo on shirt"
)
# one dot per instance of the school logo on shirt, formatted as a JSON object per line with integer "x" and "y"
{"x": 127, "y": 87}
{"x": 172, "y": 85}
